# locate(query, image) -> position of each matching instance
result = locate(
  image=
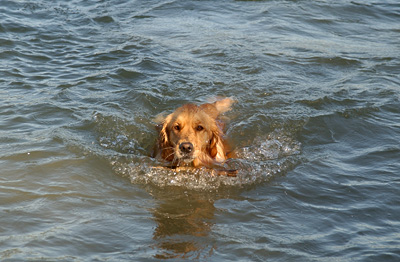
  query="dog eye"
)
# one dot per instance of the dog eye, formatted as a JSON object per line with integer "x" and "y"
{"x": 177, "y": 128}
{"x": 199, "y": 128}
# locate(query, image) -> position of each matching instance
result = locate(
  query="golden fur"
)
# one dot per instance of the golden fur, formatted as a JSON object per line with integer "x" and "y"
{"x": 193, "y": 136}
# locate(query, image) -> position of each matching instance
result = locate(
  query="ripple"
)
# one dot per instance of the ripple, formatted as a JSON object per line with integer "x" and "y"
{"x": 104, "y": 19}
{"x": 6, "y": 42}
{"x": 149, "y": 64}
{"x": 119, "y": 135}
{"x": 335, "y": 61}
{"x": 327, "y": 101}
{"x": 19, "y": 28}
{"x": 123, "y": 73}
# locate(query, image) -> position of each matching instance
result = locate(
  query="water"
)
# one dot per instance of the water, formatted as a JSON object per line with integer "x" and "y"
{"x": 316, "y": 130}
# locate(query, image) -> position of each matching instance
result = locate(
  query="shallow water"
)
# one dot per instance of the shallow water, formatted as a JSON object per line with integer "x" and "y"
{"x": 316, "y": 130}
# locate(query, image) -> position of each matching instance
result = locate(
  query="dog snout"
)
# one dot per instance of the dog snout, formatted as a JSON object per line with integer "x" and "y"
{"x": 186, "y": 147}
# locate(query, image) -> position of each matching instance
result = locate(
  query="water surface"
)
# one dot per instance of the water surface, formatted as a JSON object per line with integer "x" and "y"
{"x": 316, "y": 129}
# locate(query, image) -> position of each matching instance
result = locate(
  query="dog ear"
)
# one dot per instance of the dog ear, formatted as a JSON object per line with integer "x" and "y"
{"x": 218, "y": 107}
{"x": 212, "y": 149}
{"x": 216, "y": 149}
{"x": 224, "y": 105}
{"x": 164, "y": 144}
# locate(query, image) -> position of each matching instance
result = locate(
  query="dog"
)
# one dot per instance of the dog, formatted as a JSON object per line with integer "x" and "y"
{"x": 192, "y": 136}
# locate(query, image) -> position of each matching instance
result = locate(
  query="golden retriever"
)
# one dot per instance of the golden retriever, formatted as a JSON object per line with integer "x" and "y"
{"x": 192, "y": 136}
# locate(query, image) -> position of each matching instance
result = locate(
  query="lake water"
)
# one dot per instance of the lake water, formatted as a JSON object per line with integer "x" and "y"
{"x": 316, "y": 130}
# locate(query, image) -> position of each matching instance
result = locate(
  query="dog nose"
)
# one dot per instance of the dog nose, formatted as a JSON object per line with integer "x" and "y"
{"x": 186, "y": 147}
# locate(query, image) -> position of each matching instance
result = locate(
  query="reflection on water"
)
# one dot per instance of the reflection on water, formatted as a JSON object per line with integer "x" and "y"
{"x": 183, "y": 224}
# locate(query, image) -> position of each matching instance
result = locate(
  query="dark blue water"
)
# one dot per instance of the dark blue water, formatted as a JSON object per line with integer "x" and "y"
{"x": 316, "y": 130}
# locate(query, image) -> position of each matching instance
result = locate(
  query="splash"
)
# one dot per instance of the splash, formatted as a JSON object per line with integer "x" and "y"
{"x": 275, "y": 146}
{"x": 259, "y": 161}
{"x": 267, "y": 157}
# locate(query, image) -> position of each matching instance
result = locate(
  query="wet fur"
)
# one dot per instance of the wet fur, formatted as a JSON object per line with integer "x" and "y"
{"x": 199, "y": 127}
